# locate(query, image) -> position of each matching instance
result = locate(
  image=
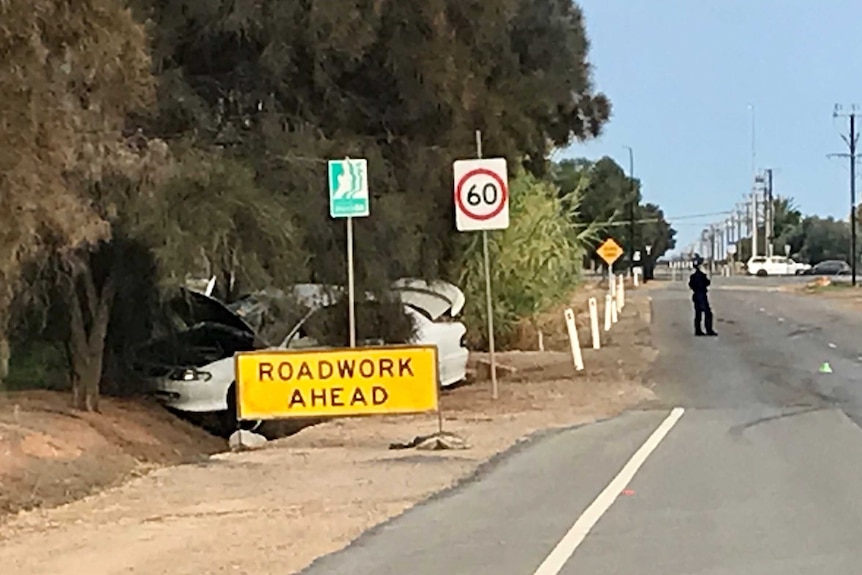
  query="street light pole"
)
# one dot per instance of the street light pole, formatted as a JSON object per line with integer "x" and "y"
{"x": 632, "y": 207}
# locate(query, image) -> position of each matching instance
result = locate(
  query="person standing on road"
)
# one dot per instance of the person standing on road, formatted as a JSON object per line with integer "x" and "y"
{"x": 699, "y": 284}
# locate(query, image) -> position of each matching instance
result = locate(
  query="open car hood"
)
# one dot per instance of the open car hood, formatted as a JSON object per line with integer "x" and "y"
{"x": 435, "y": 298}
{"x": 193, "y": 348}
{"x": 202, "y": 330}
{"x": 193, "y": 309}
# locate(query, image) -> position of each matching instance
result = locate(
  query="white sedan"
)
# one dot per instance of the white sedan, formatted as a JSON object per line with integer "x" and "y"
{"x": 199, "y": 377}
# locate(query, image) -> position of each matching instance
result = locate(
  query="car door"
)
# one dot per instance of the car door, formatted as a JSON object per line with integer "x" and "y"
{"x": 756, "y": 264}
{"x": 782, "y": 266}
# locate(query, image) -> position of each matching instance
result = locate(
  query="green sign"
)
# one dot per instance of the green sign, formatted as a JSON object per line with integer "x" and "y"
{"x": 348, "y": 189}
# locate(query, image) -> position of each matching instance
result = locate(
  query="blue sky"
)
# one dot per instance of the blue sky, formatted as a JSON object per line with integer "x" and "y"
{"x": 681, "y": 75}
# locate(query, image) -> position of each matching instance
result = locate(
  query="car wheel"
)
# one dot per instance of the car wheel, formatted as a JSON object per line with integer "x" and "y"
{"x": 761, "y": 273}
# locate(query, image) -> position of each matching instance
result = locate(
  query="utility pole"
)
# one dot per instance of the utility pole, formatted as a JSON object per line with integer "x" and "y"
{"x": 851, "y": 142}
{"x": 728, "y": 241}
{"x": 754, "y": 222}
{"x": 770, "y": 203}
{"x": 711, "y": 249}
{"x": 632, "y": 209}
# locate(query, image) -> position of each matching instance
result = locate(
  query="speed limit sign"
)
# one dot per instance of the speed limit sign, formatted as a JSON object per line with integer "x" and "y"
{"x": 481, "y": 195}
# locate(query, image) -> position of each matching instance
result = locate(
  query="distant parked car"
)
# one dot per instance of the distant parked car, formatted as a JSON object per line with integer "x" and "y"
{"x": 828, "y": 268}
{"x": 774, "y": 266}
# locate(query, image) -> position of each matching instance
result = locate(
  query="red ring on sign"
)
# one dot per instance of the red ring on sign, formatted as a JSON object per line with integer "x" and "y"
{"x": 504, "y": 194}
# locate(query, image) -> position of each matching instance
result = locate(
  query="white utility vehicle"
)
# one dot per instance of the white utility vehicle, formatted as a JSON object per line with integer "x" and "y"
{"x": 774, "y": 266}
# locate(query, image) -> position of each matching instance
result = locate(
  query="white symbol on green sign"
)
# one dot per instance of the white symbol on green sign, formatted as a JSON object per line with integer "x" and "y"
{"x": 348, "y": 188}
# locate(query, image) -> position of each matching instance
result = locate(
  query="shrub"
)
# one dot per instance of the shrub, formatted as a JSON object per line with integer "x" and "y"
{"x": 535, "y": 263}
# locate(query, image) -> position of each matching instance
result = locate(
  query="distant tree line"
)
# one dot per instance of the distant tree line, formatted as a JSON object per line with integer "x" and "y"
{"x": 809, "y": 239}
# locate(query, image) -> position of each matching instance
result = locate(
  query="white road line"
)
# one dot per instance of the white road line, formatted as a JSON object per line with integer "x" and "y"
{"x": 554, "y": 562}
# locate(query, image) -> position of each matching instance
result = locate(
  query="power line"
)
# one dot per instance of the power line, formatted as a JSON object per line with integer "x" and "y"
{"x": 695, "y": 216}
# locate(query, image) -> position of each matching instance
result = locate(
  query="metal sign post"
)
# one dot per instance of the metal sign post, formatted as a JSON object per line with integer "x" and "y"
{"x": 349, "y": 198}
{"x": 482, "y": 204}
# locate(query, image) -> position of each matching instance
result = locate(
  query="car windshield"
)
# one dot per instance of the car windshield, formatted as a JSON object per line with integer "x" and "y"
{"x": 378, "y": 323}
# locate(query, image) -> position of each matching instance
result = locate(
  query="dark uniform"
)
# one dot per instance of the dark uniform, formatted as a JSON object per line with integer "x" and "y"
{"x": 699, "y": 284}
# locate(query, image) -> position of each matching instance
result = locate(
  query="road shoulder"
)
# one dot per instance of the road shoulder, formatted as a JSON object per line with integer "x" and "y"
{"x": 313, "y": 493}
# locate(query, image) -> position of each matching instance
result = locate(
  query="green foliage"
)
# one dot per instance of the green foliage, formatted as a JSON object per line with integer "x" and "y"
{"x": 226, "y": 174}
{"x": 287, "y": 85}
{"x": 535, "y": 263}
{"x": 69, "y": 74}
{"x": 825, "y": 239}
{"x": 811, "y": 239}
{"x": 653, "y": 230}
{"x": 211, "y": 217}
{"x": 38, "y": 365}
{"x": 607, "y": 196}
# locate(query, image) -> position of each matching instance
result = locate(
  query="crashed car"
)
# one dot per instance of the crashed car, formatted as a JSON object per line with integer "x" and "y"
{"x": 192, "y": 370}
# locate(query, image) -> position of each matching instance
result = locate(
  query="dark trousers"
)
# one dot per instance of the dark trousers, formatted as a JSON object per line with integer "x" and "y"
{"x": 702, "y": 313}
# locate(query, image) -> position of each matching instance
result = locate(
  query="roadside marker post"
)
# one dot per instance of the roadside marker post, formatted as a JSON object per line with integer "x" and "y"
{"x": 594, "y": 323}
{"x": 348, "y": 199}
{"x": 621, "y": 293}
{"x": 609, "y": 304}
{"x": 577, "y": 357}
{"x": 482, "y": 204}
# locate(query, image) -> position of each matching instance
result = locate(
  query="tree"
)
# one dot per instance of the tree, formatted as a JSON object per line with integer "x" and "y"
{"x": 608, "y": 194}
{"x": 825, "y": 239}
{"x": 189, "y": 213}
{"x": 287, "y": 85}
{"x": 786, "y": 216}
{"x": 605, "y": 204}
{"x": 212, "y": 218}
{"x": 253, "y": 98}
{"x": 69, "y": 75}
{"x": 654, "y": 230}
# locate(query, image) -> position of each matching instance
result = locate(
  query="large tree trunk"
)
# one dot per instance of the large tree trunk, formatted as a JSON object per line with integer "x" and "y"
{"x": 88, "y": 329}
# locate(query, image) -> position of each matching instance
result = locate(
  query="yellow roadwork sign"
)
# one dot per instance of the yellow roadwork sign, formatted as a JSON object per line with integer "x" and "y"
{"x": 276, "y": 384}
{"x": 610, "y": 251}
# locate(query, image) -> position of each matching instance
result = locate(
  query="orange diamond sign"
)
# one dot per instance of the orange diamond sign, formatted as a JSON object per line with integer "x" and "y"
{"x": 610, "y": 251}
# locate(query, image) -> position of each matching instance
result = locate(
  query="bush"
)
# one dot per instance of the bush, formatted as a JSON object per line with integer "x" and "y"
{"x": 535, "y": 263}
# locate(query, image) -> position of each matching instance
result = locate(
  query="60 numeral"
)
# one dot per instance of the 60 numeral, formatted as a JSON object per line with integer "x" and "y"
{"x": 489, "y": 195}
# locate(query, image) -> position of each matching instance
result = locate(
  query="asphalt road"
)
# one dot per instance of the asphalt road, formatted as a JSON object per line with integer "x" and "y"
{"x": 758, "y": 473}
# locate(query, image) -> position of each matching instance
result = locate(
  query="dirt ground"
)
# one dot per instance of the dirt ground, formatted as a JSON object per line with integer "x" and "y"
{"x": 275, "y": 510}
{"x": 842, "y": 294}
{"x": 50, "y": 455}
